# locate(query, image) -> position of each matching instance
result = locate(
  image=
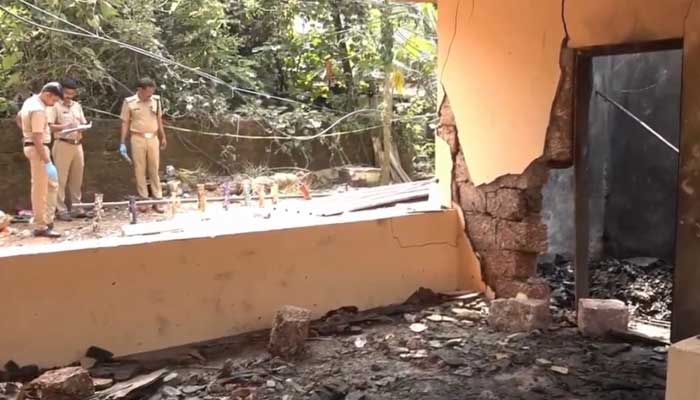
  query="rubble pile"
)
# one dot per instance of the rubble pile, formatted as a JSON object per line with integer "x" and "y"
{"x": 644, "y": 284}
{"x": 431, "y": 347}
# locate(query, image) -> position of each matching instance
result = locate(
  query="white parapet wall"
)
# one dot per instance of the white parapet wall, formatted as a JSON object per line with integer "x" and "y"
{"x": 133, "y": 296}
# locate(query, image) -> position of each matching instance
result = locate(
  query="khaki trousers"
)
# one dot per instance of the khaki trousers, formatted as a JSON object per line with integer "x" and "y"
{"x": 43, "y": 191}
{"x": 70, "y": 163}
{"x": 146, "y": 157}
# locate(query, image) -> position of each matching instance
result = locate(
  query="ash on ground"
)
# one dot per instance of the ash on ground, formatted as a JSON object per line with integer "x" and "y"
{"x": 644, "y": 284}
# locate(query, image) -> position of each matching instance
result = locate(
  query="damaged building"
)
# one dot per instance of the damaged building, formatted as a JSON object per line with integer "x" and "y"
{"x": 546, "y": 159}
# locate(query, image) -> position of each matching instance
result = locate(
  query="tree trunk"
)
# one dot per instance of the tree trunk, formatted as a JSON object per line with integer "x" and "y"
{"x": 344, "y": 55}
{"x": 387, "y": 117}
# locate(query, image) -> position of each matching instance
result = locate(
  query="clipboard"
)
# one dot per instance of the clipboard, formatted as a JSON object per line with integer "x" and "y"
{"x": 78, "y": 128}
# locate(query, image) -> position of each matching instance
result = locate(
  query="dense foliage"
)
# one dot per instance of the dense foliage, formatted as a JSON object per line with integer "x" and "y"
{"x": 325, "y": 55}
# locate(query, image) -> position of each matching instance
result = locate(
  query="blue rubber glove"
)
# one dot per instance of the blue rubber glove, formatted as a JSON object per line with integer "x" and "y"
{"x": 122, "y": 149}
{"x": 51, "y": 171}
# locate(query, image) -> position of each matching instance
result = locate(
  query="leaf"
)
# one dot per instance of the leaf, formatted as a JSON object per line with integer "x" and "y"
{"x": 11, "y": 60}
{"x": 107, "y": 10}
{"x": 398, "y": 80}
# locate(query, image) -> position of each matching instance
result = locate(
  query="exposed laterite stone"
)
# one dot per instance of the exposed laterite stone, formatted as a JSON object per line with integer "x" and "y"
{"x": 519, "y": 315}
{"x": 73, "y": 383}
{"x": 507, "y": 204}
{"x": 558, "y": 150}
{"x": 482, "y": 231}
{"x": 506, "y": 265}
{"x": 290, "y": 330}
{"x": 461, "y": 172}
{"x": 530, "y": 237}
{"x": 449, "y": 135}
{"x": 597, "y": 317}
{"x": 533, "y": 288}
{"x": 447, "y": 116}
{"x": 472, "y": 200}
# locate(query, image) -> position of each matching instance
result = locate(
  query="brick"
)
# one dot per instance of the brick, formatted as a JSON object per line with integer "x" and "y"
{"x": 533, "y": 288}
{"x": 482, "y": 231}
{"x": 461, "y": 171}
{"x": 290, "y": 329}
{"x": 73, "y": 383}
{"x": 519, "y": 315}
{"x": 597, "y": 317}
{"x": 507, "y": 204}
{"x": 471, "y": 198}
{"x": 529, "y": 237}
{"x": 507, "y": 264}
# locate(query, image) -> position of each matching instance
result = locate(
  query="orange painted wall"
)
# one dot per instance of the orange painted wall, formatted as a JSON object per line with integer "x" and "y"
{"x": 149, "y": 296}
{"x": 498, "y": 61}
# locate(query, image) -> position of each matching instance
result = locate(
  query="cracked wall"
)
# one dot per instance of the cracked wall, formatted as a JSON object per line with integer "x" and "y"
{"x": 507, "y": 72}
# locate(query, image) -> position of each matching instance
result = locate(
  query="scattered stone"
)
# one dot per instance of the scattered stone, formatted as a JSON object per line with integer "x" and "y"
{"x": 243, "y": 393}
{"x": 99, "y": 354}
{"x": 360, "y": 342}
{"x": 355, "y": 396}
{"x": 434, "y": 317}
{"x": 518, "y": 315}
{"x": 613, "y": 350}
{"x": 661, "y": 349}
{"x": 102, "y": 383}
{"x": 171, "y": 391}
{"x": 290, "y": 329}
{"x": 451, "y": 357}
{"x": 119, "y": 371}
{"x": 25, "y": 234}
{"x": 72, "y": 383}
{"x": 560, "y": 370}
{"x": 9, "y": 390}
{"x": 533, "y": 288}
{"x": 418, "y": 327}
{"x": 597, "y": 317}
{"x": 543, "y": 362}
{"x": 436, "y": 344}
{"x": 271, "y": 384}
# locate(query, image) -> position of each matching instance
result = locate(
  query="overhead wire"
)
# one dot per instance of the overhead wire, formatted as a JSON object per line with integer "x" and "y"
{"x": 87, "y": 34}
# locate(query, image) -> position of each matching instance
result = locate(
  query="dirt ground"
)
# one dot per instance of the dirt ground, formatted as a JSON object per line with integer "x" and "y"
{"x": 450, "y": 358}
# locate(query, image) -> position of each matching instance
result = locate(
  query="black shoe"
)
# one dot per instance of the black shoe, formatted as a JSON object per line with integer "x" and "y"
{"x": 48, "y": 233}
{"x": 65, "y": 217}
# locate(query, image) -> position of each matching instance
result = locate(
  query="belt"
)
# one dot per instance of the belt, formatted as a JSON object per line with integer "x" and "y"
{"x": 146, "y": 135}
{"x": 30, "y": 144}
{"x": 71, "y": 141}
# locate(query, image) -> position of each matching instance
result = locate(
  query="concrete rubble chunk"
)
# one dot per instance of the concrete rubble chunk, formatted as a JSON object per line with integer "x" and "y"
{"x": 519, "y": 315}
{"x": 72, "y": 383}
{"x": 597, "y": 317}
{"x": 290, "y": 330}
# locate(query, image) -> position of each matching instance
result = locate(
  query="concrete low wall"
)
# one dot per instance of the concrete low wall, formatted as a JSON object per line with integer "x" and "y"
{"x": 149, "y": 296}
{"x": 106, "y": 173}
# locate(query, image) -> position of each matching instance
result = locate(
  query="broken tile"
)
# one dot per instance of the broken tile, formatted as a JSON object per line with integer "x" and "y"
{"x": 418, "y": 327}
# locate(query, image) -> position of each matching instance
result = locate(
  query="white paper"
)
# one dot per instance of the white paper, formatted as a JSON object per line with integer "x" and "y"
{"x": 78, "y": 128}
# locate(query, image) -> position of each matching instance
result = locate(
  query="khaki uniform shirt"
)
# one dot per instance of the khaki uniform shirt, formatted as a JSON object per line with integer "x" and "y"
{"x": 142, "y": 116}
{"x": 33, "y": 117}
{"x": 61, "y": 114}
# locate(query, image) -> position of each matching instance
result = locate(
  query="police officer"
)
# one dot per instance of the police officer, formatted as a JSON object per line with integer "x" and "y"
{"x": 36, "y": 137}
{"x": 142, "y": 118}
{"x": 67, "y": 149}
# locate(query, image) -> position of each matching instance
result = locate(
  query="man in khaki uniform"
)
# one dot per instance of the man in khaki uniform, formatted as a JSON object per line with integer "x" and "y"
{"x": 36, "y": 137}
{"x": 67, "y": 149}
{"x": 142, "y": 118}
